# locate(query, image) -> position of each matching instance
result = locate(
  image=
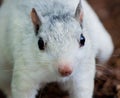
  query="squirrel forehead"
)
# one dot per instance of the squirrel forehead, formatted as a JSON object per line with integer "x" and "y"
{"x": 63, "y": 25}
{"x": 60, "y": 32}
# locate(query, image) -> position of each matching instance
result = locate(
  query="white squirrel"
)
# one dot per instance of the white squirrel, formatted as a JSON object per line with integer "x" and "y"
{"x": 43, "y": 41}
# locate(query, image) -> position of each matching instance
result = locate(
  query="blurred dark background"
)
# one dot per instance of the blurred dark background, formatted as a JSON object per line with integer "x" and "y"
{"x": 109, "y": 13}
{"x": 107, "y": 82}
{"x": 1, "y": 1}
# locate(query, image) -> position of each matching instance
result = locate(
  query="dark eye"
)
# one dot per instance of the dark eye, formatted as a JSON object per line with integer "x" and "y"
{"x": 41, "y": 44}
{"x": 82, "y": 40}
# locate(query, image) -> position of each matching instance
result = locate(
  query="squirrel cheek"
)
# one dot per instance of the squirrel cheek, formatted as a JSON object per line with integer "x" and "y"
{"x": 65, "y": 70}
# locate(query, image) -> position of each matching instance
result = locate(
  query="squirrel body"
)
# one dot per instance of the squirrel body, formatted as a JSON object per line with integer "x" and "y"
{"x": 41, "y": 41}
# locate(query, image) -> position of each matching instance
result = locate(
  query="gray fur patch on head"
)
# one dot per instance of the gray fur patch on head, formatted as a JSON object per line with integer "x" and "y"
{"x": 62, "y": 17}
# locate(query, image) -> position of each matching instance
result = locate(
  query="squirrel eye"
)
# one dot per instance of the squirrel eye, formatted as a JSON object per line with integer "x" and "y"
{"x": 82, "y": 40}
{"x": 41, "y": 44}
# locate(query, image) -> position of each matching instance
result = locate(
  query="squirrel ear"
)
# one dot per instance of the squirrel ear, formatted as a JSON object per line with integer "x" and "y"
{"x": 79, "y": 13}
{"x": 35, "y": 20}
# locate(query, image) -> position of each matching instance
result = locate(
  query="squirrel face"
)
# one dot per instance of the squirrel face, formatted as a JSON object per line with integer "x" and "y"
{"x": 61, "y": 38}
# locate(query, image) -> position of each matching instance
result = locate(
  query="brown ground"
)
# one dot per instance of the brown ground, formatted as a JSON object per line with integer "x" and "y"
{"x": 107, "y": 82}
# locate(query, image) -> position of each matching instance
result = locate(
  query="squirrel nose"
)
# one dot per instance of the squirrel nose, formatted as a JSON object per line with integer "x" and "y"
{"x": 65, "y": 70}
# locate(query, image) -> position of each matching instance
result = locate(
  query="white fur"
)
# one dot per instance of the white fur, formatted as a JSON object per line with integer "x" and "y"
{"x": 24, "y": 67}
